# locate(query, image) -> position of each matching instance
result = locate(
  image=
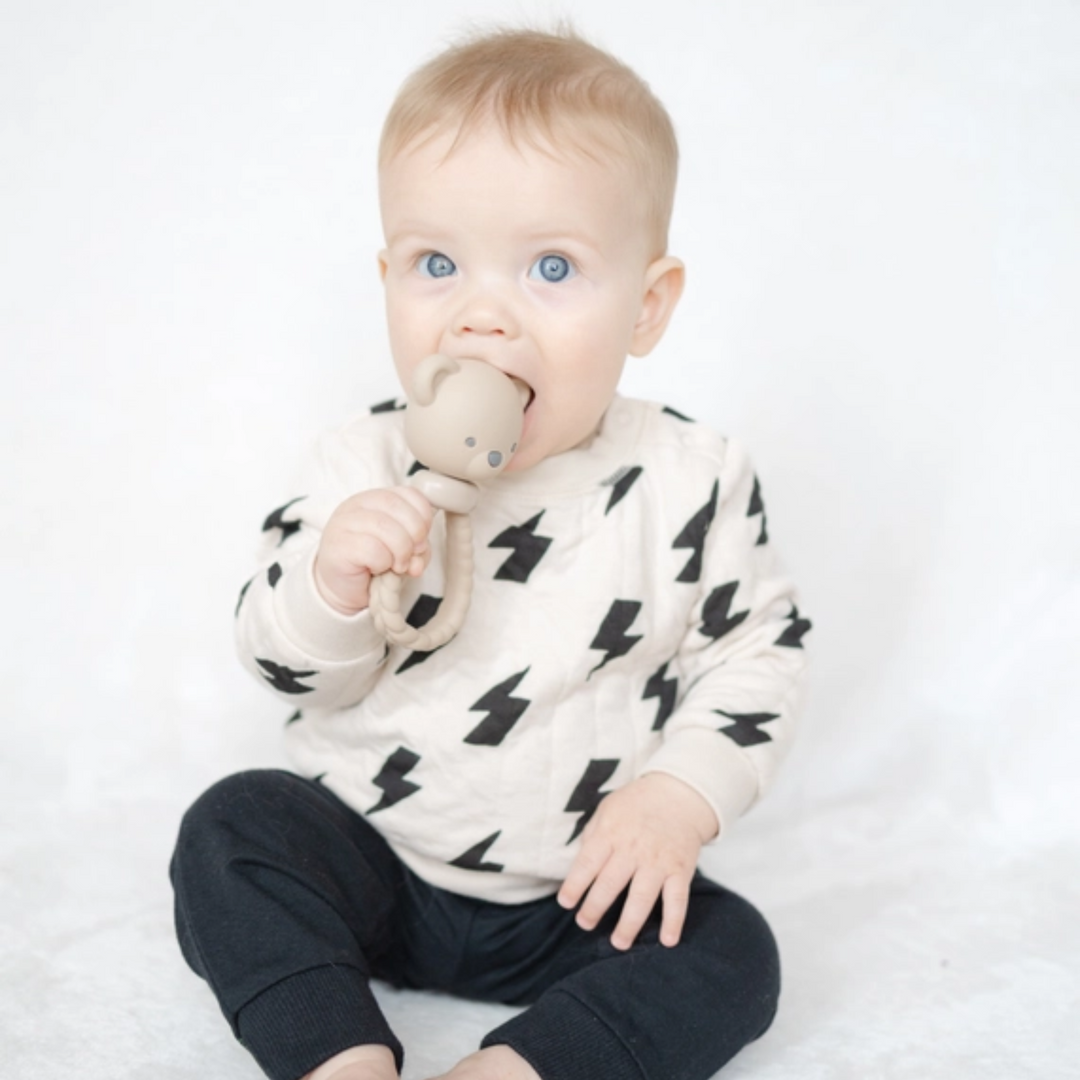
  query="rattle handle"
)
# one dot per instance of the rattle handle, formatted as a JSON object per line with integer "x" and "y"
{"x": 385, "y": 600}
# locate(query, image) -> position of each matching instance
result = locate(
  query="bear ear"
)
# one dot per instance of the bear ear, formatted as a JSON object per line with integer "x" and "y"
{"x": 428, "y": 374}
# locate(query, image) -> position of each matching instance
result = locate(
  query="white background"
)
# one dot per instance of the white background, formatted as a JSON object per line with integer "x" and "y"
{"x": 880, "y": 213}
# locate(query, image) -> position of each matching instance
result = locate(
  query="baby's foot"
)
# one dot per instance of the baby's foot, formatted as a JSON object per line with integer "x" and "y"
{"x": 492, "y": 1063}
{"x": 359, "y": 1063}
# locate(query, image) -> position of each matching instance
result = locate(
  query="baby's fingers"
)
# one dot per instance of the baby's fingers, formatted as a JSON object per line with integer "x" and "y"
{"x": 640, "y": 901}
{"x": 676, "y": 896}
{"x": 588, "y": 863}
{"x": 381, "y": 542}
{"x": 603, "y": 892}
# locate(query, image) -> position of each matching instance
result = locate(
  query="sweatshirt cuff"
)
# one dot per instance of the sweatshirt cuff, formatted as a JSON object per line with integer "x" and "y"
{"x": 714, "y": 767}
{"x": 314, "y": 627}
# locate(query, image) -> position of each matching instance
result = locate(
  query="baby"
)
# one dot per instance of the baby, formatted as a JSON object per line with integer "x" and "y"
{"x": 518, "y": 815}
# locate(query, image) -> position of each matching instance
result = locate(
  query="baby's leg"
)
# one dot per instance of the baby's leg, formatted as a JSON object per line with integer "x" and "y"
{"x": 655, "y": 1013}
{"x": 284, "y": 899}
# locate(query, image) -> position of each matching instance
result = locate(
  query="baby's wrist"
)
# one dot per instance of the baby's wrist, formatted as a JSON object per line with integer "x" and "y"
{"x": 329, "y": 597}
{"x": 692, "y": 806}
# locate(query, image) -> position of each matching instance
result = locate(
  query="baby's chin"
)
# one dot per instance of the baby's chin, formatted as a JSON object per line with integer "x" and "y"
{"x": 528, "y": 456}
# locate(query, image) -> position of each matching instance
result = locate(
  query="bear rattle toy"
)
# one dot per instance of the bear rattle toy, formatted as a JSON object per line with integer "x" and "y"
{"x": 463, "y": 421}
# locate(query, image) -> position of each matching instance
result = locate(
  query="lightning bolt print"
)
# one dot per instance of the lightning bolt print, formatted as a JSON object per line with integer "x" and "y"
{"x": 392, "y": 405}
{"x": 621, "y": 483}
{"x": 473, "y": 859}
{"x": 660, "y": 686}
{"x": 612, "y": 636}
{"x": 273, "y": 575}
{"x": 693, "y": 536}
{"x": 243, "y": 593}
{"x": 678, "y": 415}
{"x": 503, "y": 712}
{"x": 391, "y": 779}
{"x": 528, "y": 550}
{"x": 746, "y": 729}
{"x": 276, "y": 520}
{"x": 423, "y": 611}
{"x": 285, "y": 678}
{"x": 716, "y": 617}
{"x": 757, "y": 506}
{"x": 587, "y": 795}
{"x": 793, "y": 634}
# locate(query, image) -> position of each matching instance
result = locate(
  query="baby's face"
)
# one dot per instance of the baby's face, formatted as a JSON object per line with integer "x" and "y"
{"x": 533, "y": 263}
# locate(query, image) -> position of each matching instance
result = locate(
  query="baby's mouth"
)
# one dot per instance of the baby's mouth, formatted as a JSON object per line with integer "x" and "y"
{"x": 528, "y": 394}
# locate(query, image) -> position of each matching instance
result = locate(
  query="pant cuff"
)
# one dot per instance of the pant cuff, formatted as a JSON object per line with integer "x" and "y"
{"x": 563, "y": 1040}
{"x": 300, "y": 1022}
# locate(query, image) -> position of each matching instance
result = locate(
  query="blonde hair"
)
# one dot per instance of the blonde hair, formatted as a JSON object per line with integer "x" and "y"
{"x": 554, "y": 87}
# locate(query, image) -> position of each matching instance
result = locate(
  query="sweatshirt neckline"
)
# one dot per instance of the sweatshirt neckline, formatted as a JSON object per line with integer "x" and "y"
{"x": 582, "y": 468}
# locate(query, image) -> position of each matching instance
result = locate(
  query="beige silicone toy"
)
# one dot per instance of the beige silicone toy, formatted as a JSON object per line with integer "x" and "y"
{"x": 463, "y": 421}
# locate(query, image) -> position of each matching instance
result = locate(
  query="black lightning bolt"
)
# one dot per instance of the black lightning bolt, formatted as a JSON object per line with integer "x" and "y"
{"x": 416, "y": 467}
{"x": 273, "y": 575}
{"x": 392, "y": 780}
{"x": 612, "y": 636}
{"x": 587, "y": 795}
{"x": 473, "y": 859}
{"x": 716, "y": 617}
{"x": 621, "y": 483}
{"x": 693, "y": 536}
{"x": 240, "y": 599}
{"x": 793, "y": 634}
{"x": 423, "y": 611}
{"x": 298, "y": 715}
{"x": 503, "y": 712}
{"x": 659, "y": 686}
{"x": 746, "y": 730}
{"x": 392, "y": 405}
{"x": 277, "y": 521}
{"x": 528, "y": 550}
{"x": 678, "y": 415}
{"x": 757, "y": 506}
{"x": 284, "y": 678}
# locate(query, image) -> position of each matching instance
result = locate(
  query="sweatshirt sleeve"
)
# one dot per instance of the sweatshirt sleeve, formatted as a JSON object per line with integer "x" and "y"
{"x": 742, "y": 664}
{"x": 287, "y": 636}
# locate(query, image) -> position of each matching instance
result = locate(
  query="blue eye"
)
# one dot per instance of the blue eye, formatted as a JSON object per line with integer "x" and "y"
{"x": 436, "y": 265}
{"x": 551, "y": 268}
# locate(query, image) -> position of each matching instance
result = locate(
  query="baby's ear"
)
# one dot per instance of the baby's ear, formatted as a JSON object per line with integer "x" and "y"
{"x": 663, "y": 285}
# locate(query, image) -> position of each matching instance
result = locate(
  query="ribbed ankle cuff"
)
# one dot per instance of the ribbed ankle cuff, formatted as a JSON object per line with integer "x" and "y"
{"x": 300, "y": 1022}
{"x": 563, "y": 1040}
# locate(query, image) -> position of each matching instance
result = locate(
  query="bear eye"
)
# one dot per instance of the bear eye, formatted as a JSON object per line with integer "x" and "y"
{"x": 470, "y": 441}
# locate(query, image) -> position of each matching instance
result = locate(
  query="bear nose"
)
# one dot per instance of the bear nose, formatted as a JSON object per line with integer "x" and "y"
{"x": 494, "y": 459}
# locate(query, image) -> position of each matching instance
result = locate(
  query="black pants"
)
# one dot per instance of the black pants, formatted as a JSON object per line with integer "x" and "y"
{"x": 288, "y": 902}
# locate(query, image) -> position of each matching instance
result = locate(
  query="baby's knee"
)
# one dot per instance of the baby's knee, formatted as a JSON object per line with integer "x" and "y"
{"x": 741, "y": 943}
{"x": 230, "y": 808}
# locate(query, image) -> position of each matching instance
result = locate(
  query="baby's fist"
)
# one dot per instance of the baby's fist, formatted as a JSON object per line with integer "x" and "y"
{"x": 369, "y": 534}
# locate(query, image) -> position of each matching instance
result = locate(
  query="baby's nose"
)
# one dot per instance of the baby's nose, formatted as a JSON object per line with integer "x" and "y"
{"x": 486, "y": 311}
{"x": 494, "y": 459}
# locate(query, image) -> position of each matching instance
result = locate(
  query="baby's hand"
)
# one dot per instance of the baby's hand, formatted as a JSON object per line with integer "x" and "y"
{"x": 368, "y": 534}
{"x": 647, "y": 834}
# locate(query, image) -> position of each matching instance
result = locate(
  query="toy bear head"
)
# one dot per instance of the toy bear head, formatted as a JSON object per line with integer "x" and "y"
{"x": 464, "y": 417}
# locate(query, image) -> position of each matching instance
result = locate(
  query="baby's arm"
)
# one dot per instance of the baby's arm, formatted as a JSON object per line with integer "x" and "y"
{"x": 739, "y": 677}
{"x": 301, "y": 627}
